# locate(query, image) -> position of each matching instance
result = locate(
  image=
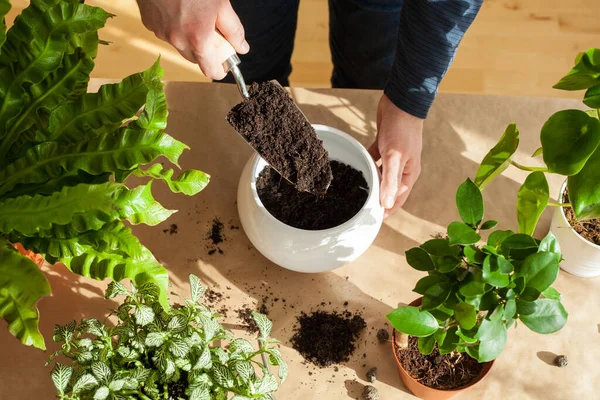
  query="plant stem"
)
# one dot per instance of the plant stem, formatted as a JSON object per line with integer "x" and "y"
{"x": 526, "y": 168}
{"x": 553, "y": 204}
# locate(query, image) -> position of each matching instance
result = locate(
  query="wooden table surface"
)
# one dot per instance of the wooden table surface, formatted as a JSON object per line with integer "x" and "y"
{"x": 459, "y": 131}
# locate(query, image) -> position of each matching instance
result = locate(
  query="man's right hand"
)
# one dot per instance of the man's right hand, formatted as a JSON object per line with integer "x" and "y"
{"x": 191, "y": 27}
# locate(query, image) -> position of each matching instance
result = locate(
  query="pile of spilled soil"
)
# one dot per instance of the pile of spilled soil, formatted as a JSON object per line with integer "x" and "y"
{"x": 215, "y": 236}
{"x": 273, "y": 125}
{"x": 439, "y": 371}
{"x": 344, "y": 198}
{"x": 588, "y": 229}
{"x": 326, "y": 338}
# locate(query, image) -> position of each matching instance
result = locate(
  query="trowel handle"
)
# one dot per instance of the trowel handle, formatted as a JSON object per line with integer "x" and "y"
{"x": 231, "y": 61}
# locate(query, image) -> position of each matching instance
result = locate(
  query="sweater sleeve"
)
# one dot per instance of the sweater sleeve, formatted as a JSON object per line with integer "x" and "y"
{"x": 429, "y": 34}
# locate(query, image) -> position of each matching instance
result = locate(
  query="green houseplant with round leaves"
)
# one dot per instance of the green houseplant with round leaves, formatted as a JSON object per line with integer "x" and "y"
{"x": 65, "y": 155}
{"x": 155, "y": 353}
{"x": 473, "y": 294}
{"x": 570, "y": 142}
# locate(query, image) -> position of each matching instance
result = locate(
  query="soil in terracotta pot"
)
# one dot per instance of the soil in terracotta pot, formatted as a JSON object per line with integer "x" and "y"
{"x": 344, "y": 198}
{"x": 588, "y": 229}
{"x": 326, "y": 338}
{"x": 275, "y": 127}
{"x": 438, "y": 371}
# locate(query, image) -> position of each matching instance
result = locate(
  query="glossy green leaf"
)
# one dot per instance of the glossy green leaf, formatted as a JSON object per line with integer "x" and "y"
{"x": 569, "y": 138}
{"x": 550, "y": 245}
{"x": 419, "y": 259}
{"x": 489, "y": 224}
{"x": 440, "y": 248}
{"x": 474, "y": 255}
{"x": 532, "y": 200}
{"x": 469, "y": 202}
{"x": 426, "y": 344}
{"x": 468, "y": 336}
{"x": 497, "y": 237}
{"x": 526, "y": 307}
{"x": 447, "y": 264}
{"x": 492, "y": 273}
{"x": 412, "y": 321}
{"x": 549, "y": 316}
{"x": 472, "y": 286}
{"x": 504, "y": 266}
{"x": 490, "y": 329}
{"x": 498, "y": 158}
{"x": 86, "y": 207}
{"x": 540, "y": 270}
{"x": 518, "y": 241}
{"x": 451, "y": 339}
{"x": 551, "y": 293}
{"x": 4, "y": 9}
{"x": 538, "y": 152}
{"x": 592, "y": 96}
{"x": 22, "y": 285}
{"x": 491, "y": 348}
{"x": 510, "y": 310}
{"x": 425, "y": 283}
{"x": 460, "y": 233}
{"x": 188, "y": 182}
{"x": 584, "y": 191}
{"x": 466, "y": 315}
{"x": 489, "y": 300}
{"x": 436, "y": 295}
{"x": 585, "y": 73}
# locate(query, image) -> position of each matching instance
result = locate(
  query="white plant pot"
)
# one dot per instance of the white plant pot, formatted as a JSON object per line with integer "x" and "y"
{"x": 313, "y": 251}
{"x": 581, "y": 257}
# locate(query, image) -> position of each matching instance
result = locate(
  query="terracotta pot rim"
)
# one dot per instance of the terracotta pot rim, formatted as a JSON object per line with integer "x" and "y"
{"x": 487, "y": 366}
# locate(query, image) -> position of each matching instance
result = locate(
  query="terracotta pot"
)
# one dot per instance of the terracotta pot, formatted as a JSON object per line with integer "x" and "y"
{"x": 36, "y": 258}
{"x": 426, "y": 392}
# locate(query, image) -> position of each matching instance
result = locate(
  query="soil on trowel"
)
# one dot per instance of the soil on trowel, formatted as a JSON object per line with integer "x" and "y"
{"x": 326, "y": 338}
{"x": 588, "y": 229}
{"x": 344, "y": 198}
{"x": 439, "y": 371}
{"x": 270, "y": 121}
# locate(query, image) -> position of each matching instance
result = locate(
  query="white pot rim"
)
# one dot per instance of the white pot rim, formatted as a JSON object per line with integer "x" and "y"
{"x": 564, "y": 217}
{"x": 373, "y": 171}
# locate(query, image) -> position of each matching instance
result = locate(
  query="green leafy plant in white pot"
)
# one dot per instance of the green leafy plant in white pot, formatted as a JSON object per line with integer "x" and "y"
{"x": 65, "y": 155}
{"x": 151, "y": 353}
{"x": 570, "y": 142}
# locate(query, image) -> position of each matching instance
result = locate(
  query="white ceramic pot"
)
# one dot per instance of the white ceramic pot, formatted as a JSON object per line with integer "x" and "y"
{"x": 581, "y": 257}
{"x": 313, "y": 251}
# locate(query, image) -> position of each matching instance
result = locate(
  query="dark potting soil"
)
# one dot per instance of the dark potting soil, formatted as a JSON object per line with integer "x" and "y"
{"x": 216, "y": 232}
{"x": 344, "y": 198}
{"x": 176, "y": 390}
{"x": 273, "y": 125}
{"x": 588, "y": 229}
{"x": 439, "y": 371}
{"x": 245, "y": 315}
{"x": 326, "y": 338}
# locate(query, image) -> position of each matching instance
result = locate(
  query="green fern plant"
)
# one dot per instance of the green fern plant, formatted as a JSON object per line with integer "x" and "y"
{"x": 65, "y": 155}
{"x": 153, "y": 353}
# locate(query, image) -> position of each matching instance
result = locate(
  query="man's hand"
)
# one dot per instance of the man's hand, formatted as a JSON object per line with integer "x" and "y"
{"x": 191, "y": 27}
{"x": 398, "y": 146}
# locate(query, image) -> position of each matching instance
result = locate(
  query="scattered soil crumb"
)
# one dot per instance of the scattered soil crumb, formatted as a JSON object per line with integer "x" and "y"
{"x": 370, "y": 393}
{"x": 439, "y": 371}
{"x": 561, "y": 361}
{"x": 172, "y": 229}
{"x": 383, "y": 335}
{"x": 326, "y": 338}
{"x": 213, "y": 297}
{"x": 372, "y": 375}
{"x": 215, "y": 236}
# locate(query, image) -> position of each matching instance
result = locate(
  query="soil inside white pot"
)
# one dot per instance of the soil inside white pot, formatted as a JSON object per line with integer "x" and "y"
{"x": 588, "y": 229}
{"x": 345, "y": 197}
